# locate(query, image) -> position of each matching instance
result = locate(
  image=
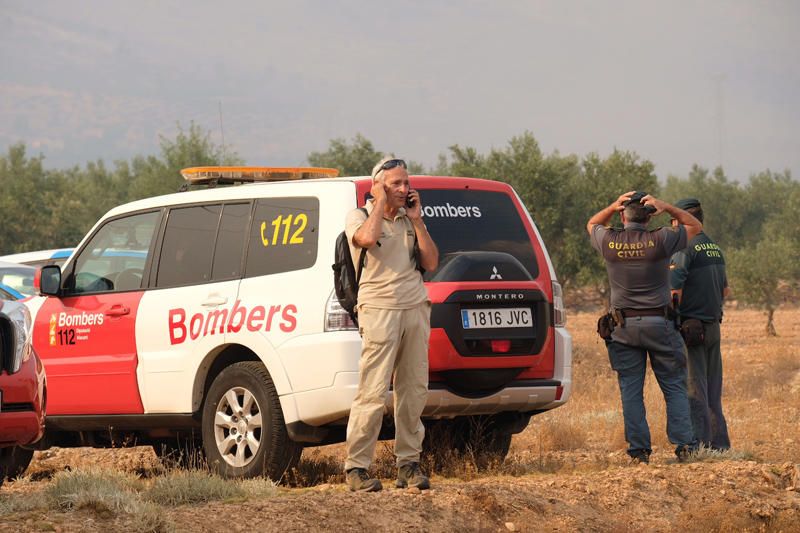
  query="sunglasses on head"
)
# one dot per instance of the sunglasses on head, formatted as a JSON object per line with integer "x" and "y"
{"x": 390, "y": 164}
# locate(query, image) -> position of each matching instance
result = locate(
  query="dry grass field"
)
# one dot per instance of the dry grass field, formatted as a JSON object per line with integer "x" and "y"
{"x": 567, "y": 471}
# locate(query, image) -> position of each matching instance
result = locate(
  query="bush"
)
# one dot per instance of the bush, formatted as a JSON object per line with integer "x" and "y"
{"x": 105, "y": 492}
{"x": 193, "y": 486}
{"x": 261, "y": 487}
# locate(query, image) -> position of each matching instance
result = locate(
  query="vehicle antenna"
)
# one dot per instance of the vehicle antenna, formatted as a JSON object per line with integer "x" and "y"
{"x": 222, "y": 131}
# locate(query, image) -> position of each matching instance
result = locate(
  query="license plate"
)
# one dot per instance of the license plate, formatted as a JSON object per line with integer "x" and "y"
{"x": 514, "y": 317}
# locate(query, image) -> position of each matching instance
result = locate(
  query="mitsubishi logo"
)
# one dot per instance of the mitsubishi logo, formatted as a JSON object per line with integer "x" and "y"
{"x": 495, "y": 274}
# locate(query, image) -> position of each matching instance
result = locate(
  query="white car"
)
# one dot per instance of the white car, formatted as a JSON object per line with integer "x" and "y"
{"x": 209, "y": 317}
{"x": 39, "y": 258}
{"x": 18, "y": 278}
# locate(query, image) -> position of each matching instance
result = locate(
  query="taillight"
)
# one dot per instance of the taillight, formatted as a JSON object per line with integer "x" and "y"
{"x": 559, "y": 311}
{"x": 501, "y": 346}
{"x": 336, "y": 318}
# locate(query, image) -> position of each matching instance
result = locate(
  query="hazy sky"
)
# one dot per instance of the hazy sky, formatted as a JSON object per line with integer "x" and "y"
{"x": 677, "y": 82}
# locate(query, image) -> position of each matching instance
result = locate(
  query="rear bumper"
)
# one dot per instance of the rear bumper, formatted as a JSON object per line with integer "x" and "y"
{"x": 326, "y": 425}
{"x": 20, "y": 427}
{"x": 520, "y": 396}
{"x": 331, "y": 404}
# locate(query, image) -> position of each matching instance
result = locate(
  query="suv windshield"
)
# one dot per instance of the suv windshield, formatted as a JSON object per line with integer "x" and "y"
{"x": 476, "y": 221}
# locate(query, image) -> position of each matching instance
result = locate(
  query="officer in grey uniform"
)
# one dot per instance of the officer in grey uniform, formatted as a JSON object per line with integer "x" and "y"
{"x": 698, "y": 280}
{"x": 637, "y": 262}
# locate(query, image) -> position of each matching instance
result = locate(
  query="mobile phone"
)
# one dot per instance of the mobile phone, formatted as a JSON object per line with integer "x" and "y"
{"x": 409, "y": 201}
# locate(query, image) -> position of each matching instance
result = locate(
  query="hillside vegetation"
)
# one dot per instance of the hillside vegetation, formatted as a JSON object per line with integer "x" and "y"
{"x": 751, "y": 218}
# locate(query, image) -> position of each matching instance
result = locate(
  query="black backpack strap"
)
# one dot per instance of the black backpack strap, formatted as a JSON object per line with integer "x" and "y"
{"x": 362, "y": 257}
{"x": 417, "y": 253}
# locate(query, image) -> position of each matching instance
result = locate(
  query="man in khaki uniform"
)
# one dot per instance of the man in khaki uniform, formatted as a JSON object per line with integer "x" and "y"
{"x": 394, "y": 323}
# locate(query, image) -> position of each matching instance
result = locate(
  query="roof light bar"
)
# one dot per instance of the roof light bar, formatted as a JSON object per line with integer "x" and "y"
{"x": 252, "y": 174}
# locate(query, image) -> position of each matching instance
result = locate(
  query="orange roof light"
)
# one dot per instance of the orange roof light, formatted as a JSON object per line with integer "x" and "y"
{"x": 205, "y": 174}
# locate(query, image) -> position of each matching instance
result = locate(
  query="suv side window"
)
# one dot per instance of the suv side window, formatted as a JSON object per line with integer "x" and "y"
{"x": 115, "y": 256}
{"x": 188, "y": 245}
{"x": 231, "y": 239}
{"x": 284, "y": 235}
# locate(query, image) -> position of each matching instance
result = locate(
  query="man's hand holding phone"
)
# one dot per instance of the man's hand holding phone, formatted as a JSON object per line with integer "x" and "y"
{"x": 413, "y": 209}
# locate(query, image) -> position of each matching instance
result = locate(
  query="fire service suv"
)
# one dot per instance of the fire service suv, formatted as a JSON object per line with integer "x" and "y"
{"x": 207, "y": 319}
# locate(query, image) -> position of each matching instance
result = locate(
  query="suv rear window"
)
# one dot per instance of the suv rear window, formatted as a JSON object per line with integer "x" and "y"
{"x": 470, "y": 220}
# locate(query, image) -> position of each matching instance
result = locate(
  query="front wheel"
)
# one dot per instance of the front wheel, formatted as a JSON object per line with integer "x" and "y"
{"x": 13, "y": 461}
{"x": 244, "y": 434}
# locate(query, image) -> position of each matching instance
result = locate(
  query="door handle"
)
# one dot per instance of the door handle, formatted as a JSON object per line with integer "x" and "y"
{"x": 214, "y": 300}
{"x": 118, "y": 310}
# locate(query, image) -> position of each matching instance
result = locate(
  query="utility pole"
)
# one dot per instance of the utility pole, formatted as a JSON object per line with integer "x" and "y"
{"x": 719, "y": 116}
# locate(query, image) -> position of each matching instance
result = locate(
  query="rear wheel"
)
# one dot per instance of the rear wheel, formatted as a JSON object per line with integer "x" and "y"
{"x": 13, "y": 462}
{"x": 244, "y": 434}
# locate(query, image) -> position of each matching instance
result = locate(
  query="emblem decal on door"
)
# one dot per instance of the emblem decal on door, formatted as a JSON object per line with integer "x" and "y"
{"x": 72, "y": 327}
{"x": 495, "y": 274}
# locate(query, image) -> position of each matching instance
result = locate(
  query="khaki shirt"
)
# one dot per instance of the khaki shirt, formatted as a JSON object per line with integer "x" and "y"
{"x": 389, "y": 279}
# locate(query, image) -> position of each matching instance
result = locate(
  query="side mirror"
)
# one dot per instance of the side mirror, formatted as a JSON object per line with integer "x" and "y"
{"x": 49, "y": 277}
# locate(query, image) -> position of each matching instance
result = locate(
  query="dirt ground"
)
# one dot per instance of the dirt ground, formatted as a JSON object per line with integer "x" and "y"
{"x": 566, "y": 472}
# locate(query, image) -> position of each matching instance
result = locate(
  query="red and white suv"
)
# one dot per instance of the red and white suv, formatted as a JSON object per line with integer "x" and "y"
{"x": 209, "y": 316}
{"x": 22, "y": 391}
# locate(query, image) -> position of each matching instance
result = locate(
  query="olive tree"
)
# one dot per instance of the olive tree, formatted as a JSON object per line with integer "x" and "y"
{"x": 758, "y": 273}
{"x": 355, "y": 158}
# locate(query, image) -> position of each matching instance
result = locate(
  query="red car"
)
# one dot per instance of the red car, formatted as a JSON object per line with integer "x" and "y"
{"x": 22, "y": 391}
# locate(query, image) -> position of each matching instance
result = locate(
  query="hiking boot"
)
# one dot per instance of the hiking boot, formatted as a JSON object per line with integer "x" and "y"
{"x": 685, "y": 452}
{"x": 359, "y": 480}
{"x": 640, "y": 458}
{"x": 411, "y": 476}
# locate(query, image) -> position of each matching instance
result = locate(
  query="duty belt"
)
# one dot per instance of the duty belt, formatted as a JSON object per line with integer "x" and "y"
{"x": 655, "y": 311}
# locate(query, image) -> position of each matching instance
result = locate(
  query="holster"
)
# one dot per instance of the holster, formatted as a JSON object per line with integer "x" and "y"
{"x": 619, "y": 317}
{"x": 692, "y": 332}
{"x": 605, "y": 326}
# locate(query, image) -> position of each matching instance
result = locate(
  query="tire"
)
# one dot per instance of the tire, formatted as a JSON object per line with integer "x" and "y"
{"x": 13, "y": 462}
{"x": 242, "y": 442}
{"x": 471, "y": 437}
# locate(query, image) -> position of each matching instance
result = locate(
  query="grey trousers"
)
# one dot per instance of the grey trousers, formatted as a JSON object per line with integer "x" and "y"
{"x": 705, "y": 390}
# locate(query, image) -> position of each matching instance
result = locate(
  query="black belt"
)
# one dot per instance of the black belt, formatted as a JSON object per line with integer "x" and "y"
{"x": 655, "y": 311}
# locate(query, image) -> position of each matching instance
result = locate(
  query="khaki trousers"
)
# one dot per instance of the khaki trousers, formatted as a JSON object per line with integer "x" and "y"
{"x": 394, "y": 341}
